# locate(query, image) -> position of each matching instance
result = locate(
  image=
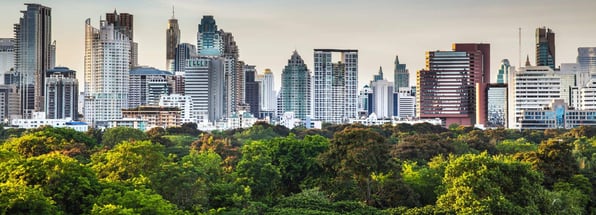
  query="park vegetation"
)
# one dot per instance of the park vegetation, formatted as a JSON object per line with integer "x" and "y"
{"x": 265, "y": 169}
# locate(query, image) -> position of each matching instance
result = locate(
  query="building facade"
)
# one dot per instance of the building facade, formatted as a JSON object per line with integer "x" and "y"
{"x": 586, "y": 58}
{"x": 33, "y": 38}
{"x": 124, "y": 23}
{"x": 209, "y": 40}
{"x": 62, "y": 94}
{"x": 557, "y": 116}
{"x": 252, "y": 90}
{"x": 183, "y": 52}
{"x": 267, "y": 86}
{"x": 147, "y": 85}
{"x": 545, "y": 47}
{"x": 295, "y": 93}
{"x": 401, "y": 76}
{"x": 7, "y": 51}
{"x": 204, "y": 83}
{"x": 107, "y": 66}
{"x": 335, "y": 85}
{"x": 155, "y": 116}
{"x": 182, "y": 102}
{"x": 172, "y": 41}
{"x": 497, "y": 106}
{"x": 503, "y": 74}
{"x": 383, "y": 99}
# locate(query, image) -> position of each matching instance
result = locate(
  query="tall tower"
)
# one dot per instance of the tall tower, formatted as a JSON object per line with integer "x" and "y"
{"x": 172, "y": 41}
{"x": 33, "y": 37}
{"x": 124, "y": 23}
{"x": 209, "y": 41}
{"x": 503, "y": 74}
{"x": 586, "y": 58}
{"x": 295, "y": 94}
{"x": 106, "y": 75}
{"x": 7, "y": 49}
{"x": 545, "y": 47}
{"x": 267, "y": 92}
{"x": 62, "y": 94}
{"x": 335, "y": 85}
{"x": 252, "y": 90}
{"x": 401, "y": 77}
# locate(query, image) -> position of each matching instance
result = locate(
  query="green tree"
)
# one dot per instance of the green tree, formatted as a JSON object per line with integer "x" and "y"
{"x": 71, "y": 185}
{"x": 128, "y": 161}
{"x": 554, "y": 159}
{"x": 18, "y": 198}
{"x": 481, "y": 184}
{"x": 120, "y": 199}
{"x": 113, "y": 136}
{"x": 256, "y": 170}
{"x": 422, "y": 147}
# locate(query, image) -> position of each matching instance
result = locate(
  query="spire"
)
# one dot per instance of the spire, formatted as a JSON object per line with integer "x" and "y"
{"x": 396, "y": 59}
{"x": 528, "y": 61}
{"x": 380, "y": 70}
{"x": 173, "y": 14}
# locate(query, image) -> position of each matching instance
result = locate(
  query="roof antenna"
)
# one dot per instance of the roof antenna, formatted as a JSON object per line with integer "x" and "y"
{"x": 173, "y": 17}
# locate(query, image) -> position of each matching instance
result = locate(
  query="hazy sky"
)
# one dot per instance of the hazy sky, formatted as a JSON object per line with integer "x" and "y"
{"x": 267, "y": 31}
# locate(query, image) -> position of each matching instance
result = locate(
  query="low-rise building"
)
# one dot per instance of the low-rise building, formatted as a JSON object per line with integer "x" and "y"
{"x": 557, "y": 115}
{"x": 156, "y": 116}
{"x": 39, "y": 119}
{"x": 242, "y": 119}
{"x": 129, "y": 122}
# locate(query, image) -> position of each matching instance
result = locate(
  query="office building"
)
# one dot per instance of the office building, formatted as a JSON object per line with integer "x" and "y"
{"x": 9, "y": 103}
{"x": 62, "y": 94}
{"x": 146, "y": 85}
{"x": 38, "y": 119}
{"x": 383, "y": 99}
{"x": 364, "y": 101}
{"x": 209, "y": 41}
{"x": 378, "y": 76}
{"x": 586, "y": 58}
{"x": 503, "y": 74}
{"x": 267, "y": 87}
{"x": 124, "y": 23}
{"x": 155, "y": 116}
{"x": 401, "y": 75}
{"x": 183, "y": 52}
{"x": 497, "y": 112}
{"x": 7, "y": 46}
{"x": 204, "y": 83}
{"x": 33, "y": 37}
{"x": 531, "y": 88}
{"x": 557, "y": 115}
{"x": 335, "y": 85}
{"x": 106, "y": 76}
{"x": 252, "y": 90}
{"x": 406, "y": 105}
{"x": 295, "y": 93}
{"x": 241, "y": 119}
{"x": 545, "y": 47}
{"x": 452, "y": 86}
{"x": 172, "y": 41}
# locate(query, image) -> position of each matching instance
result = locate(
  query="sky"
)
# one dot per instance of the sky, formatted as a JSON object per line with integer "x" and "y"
{"x": 268, "y": 31}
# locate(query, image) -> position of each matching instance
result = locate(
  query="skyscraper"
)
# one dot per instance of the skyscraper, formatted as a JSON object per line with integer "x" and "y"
{"x": 33, "y": 37}
{"x": 252, "y": 90}
{"x": 62, "y": 94}
{"x": 401, "y": 76}
{"x": 503, "y": 74}
{"x": 335, "y": 85}
{"x": 124, "y": 23}
{"x": 209, "y": 41}
{"x": 106, "y": 75}
{"x": 295, "y": 94}
{"x": 267, "y": 91}
{"x": 6, "y": 57}
{"x": 234, "y": 69}
{"x": 146, "y": 85}
{"x": 452, "y": 86}
{"x": 545, "y": 47}
{"x": 172, "y": 41}
{"x": 383, "y": 100}
{"x": 204, "y": 83}
{"x": 184, "y": 51}
{"x": 586, "y": 57}
{"x": 378, "y": 76}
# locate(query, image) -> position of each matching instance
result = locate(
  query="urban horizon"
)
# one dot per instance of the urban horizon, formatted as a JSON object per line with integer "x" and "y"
{"x": 504, "y": 39}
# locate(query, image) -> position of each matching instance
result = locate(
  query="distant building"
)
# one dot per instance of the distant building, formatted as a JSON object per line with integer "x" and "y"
{"x": 124, "y": 23}
{"x": 209, "y": 41}
{"x": 545, "y": 47}
{"x": 295, "y": 93}
{"x": 252, "y": 90}
{"x": 383, "y": 99}
{"x": 7, "y": 51}
{"x": 183, "y": 52}
{"x": 241, "y": 119}
{"x": 586, "y": 58}
{"x": 62, "y": 94}
{"x": 503, "y": 74}
{"x": 401, "y": 75}
{"x": 182, "y": 102}
{"x": 135, "y": 123}
{"x": 557, "y": 116}
{"x": 172, "y": 41}
{"x": 335, "y": 85}
{"x": 155, "y": 116}
{"x": 374, "y": 120}
{"x": 146, "y": 85}
{"x": 205, "y": 84}
{"x": 106, "y": 76}
{"x": 267, "y": 86}
{"x": 39, "y": 119}
{"x": 497, "y": 112}
{"x": 406, "y": 105}
{"x": 9, "y": 103}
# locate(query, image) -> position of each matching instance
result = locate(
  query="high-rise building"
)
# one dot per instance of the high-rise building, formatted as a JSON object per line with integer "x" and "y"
{"x": 209, "y": 41}
{"x": 172, "y": 41}
{"x": 106, "y": 75}
{"x": 267, "y": 87}
{"x": 497, "y": 112}
{"x": 378, "y": 76}
{"x": 452, "y": 86}
{"x": 147, "y": 85}
{"x": 204, "y": 83}
{"x": 383, "y": 99}
{"x": 124, "y": 23}
{"x": 252, "y": 91}
{"x": 335, "y": 85}
{"x": 9, "y": 102}
{"x": 545, "y": 47}
{"x": 62, "y": 94}
{"x": 503, "y": 74}
{"x": 184, "y": 52}
{"x": 7, "y": 47}
{"x": 401, "y": 76}
{"x": 33, "y": 37}
{"x": 531, "y": 88}
{"x": 234, "y": 69}
{"x": 586, "y": 57}
{"x": 295, "y": 93}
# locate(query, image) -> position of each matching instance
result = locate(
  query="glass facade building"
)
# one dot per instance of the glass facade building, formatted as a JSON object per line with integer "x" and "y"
{"x": 295, "y": 94}
{"x": 401, "y": 75}
{"x": 545, "y": 47}
{"x": 497, "y": 105}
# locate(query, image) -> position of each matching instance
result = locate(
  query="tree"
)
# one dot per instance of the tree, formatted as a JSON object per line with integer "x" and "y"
{"x": 354, "y": 155}
{"x": 113, "y": 136}
{"x": 70, "y": 184}
{"x": 554, "y": 159}
{"x": 17, "y": 198}
{"x": 481, "y": 184}
{"x": 422, "y": 147}
{"x": 116, "y": 198}
{"x": 128, "y": 161}
{"x": 255, "y": 169}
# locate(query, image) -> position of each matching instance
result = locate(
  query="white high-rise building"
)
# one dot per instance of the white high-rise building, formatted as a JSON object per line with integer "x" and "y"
{"x": 531, "y": 88}
{"x": 267, "y": 93}
{"x": 382, "y": 98}
{"x": 204, "y": 83}
{"x": 335, "y": 85}
{"x": 107, "y": 59}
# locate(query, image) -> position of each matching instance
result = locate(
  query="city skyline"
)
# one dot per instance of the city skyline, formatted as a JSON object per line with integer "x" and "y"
{"x": 268, "y": 31}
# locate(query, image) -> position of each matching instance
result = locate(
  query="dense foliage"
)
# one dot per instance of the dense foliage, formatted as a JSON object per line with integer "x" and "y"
{"x": 340, "y": 169}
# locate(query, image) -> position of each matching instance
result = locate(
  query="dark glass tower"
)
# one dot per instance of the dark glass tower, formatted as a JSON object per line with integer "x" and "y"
{"x": 401, "y": 75}
{"x": 172, "y": 41}
{"x": 545, "y": 47}
{"x": 209, "y": 42}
